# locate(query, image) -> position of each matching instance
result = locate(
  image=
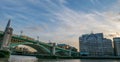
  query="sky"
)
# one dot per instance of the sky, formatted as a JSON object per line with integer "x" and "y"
{"x": 61, "y": 21}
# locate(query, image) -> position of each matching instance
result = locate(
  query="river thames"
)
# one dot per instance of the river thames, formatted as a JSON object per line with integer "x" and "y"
{"x": 15, "y": 58}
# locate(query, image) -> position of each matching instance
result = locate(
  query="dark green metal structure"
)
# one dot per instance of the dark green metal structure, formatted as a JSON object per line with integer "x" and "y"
{"x": 41, "y": 47}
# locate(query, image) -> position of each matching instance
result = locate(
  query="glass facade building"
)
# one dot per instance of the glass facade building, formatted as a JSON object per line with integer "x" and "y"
{"x": 95, "y": 45}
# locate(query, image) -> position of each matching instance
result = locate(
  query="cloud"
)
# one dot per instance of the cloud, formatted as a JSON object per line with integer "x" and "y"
{"x": 76, "y": 23}
{"x": 62, "y": 1}
{"x": 34, "y": 29}
{"x": 53, "y": 20}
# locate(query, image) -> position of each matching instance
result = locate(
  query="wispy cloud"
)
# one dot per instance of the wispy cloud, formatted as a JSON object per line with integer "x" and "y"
{"x": 56, "y": 21}
{"x": 94, "y": 1}
{"x": 76, "y": 23}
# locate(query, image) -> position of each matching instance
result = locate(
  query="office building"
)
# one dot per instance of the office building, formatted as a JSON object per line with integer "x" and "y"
{"x": 116, "y": 42}
{"x": 95, "y": 45}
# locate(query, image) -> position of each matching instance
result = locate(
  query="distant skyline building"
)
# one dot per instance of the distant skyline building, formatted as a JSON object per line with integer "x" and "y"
{"x": 116, "y": 42}
{"x": 95, "y": 45}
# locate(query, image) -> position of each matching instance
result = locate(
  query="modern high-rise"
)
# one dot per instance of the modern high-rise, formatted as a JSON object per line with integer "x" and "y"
{"x": 95, "y": 45}
{"x": 116, "y": 42}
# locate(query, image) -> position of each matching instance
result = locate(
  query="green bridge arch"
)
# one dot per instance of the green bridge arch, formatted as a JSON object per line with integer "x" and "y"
{"x": 40, "y": 48}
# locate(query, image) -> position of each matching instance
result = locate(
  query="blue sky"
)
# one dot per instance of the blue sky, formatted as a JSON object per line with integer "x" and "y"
{"x": 61, "y": 21}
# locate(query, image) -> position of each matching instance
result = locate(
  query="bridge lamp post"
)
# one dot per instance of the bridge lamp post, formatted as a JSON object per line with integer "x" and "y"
{"x": 37, "y": 39}
{"x": 21, "y": 32}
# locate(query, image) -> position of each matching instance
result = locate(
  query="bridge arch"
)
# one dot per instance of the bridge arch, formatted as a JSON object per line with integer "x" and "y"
{"x": 40, "y": 49}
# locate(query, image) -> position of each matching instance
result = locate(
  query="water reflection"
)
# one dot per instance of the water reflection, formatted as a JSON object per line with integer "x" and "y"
{"x": 59, "y": 60}
{"x": 80, "y": 60}
{"x": 23, "y": 59}
{"x": 99, "y": 60}
{"x": 15, "y": 58}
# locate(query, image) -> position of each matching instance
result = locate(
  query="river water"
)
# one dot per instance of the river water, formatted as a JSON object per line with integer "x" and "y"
{"x": 15, "y": 58}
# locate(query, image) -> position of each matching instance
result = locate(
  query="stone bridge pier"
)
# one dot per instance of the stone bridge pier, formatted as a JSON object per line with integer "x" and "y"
{"x": 53, "y": 49}
{"x": 7, "y": 37}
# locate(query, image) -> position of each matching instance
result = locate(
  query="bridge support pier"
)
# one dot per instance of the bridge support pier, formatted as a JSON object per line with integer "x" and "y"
{"x": 4, "y": 47}
{"x": 53, "y": 49}
{"x": 7, "y": 37}
{"x": 70, "y": 52}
